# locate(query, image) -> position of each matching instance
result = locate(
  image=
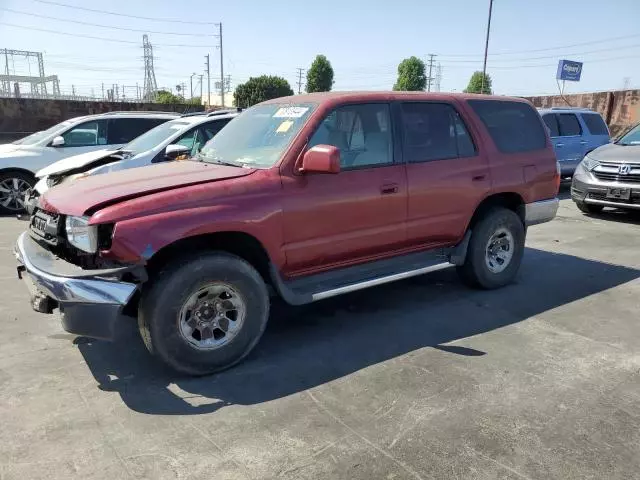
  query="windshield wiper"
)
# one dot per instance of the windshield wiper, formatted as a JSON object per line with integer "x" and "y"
{"x": 202, "y": 158}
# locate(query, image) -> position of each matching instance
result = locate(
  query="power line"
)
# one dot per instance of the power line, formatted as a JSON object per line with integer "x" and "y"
{"x": 47, "y": 17}
{"x": 152, "y": 19}
{"x": 515, "y": 52}
{"x": 103, "y": 39}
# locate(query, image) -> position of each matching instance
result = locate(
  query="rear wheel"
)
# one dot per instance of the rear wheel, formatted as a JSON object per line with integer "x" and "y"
{"x": 13, "y": 189}
{"x": 495, "y": 250}
{"x": 588, "y": 208}
{"x": 204, "y": 314}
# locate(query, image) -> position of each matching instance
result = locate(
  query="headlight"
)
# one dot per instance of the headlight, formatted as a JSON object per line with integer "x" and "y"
{"x": 590, "y": 163}
{"x": 82, "y": 235}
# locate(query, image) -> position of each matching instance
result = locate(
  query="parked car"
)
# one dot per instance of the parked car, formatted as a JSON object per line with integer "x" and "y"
{"x": 314, "y": 196}
{"x": 574, "y": 133}
{"x": 610, "y": 176}
{"x": 179, "y": 138}
{"x": 21, "y": 159}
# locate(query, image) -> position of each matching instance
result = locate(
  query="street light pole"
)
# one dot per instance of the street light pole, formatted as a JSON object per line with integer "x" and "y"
{"x": 191, "y": 81}
{"x": 486, "y": 47}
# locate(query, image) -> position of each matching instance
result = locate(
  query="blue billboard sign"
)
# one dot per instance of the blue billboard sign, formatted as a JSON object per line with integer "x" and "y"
{"x": 569, "y": 70}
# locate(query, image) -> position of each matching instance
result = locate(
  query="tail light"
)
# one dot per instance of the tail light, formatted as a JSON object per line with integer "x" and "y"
{"x": 556, "y": 178}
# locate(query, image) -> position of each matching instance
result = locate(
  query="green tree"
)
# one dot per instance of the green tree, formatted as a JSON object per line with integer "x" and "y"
{"x": 260, "y": 89}
{"x": 476, "y": 85}
{"x": 320, "y": 75}
{"x": 167, "y": 98}
{"x": 411, "y": 76}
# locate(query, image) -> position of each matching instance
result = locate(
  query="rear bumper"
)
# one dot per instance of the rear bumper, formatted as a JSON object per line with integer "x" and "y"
{"x": 541, "y": 211}
{"x": 91, "y": 302}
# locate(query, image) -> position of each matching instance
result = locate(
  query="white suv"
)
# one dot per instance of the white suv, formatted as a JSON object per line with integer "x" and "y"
{"x": 20, "y": 160}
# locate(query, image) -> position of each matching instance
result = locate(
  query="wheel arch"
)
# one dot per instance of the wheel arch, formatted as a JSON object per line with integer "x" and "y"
{"x": 17, "y": 170}
{"x": 510, "y": 200}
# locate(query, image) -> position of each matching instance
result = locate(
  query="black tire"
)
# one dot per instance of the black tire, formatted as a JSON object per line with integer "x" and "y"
{"x": 22, "y": 178}
{"x": 475, "y": 271}
{"x": 588, "y": 208}
{"x": 163, "y": 297}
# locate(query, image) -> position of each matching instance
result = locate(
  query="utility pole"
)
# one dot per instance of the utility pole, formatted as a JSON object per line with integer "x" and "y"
{"x": 430, "y": 77}
{"x": 191, "y": 83}
{"x": 137, "y": 92}
{"x": 117, "y": 99}
{"x": 73, "y": 91}
{"x": 102, "y": 90}
{"x": 201, "y": 87}
{"x": 208, "y": 80}
{"x": 221, "y": 64}
{"x": 300, "y": 72}
{"x": 486, "y": 48}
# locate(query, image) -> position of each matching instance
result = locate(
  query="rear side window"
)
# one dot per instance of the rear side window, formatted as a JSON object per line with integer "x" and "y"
{"x": 513, "y": 126}
{"x": 569, "y": 125}
{"x": 434, "y": 131}
{"x": 123, "y": 130}
{"x": 551, "y": 122}
{"x": 595, "y": 124}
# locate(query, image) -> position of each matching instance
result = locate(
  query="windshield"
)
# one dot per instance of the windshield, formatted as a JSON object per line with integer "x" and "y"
{"x": 39, "y": 136}
{"x": 155, "y": 136}
{"x": 257, "y": 137}
{"x": 632, "y": 137}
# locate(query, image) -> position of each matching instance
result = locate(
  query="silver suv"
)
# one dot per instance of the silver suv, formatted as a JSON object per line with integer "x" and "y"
{"x": 609, "y": 176}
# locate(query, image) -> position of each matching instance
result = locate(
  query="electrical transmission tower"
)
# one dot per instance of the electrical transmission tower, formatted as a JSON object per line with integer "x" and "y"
{"x": 300, "y": 72}
{"x": 438, "y": 77}
{"x": 150, "y": 87}
{"x": 430, "y": 77}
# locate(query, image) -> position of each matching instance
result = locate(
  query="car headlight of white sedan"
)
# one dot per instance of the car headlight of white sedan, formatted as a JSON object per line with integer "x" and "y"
{"x": 82, "y": 235}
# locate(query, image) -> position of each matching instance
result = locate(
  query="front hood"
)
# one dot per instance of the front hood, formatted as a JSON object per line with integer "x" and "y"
{"x": 617, "y": 153}
{"x": 10, "y": 150}
{"x": 94, "y": 192}
{"x": 74, "y": 162}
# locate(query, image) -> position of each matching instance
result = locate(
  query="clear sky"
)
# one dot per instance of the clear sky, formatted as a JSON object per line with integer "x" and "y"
{"x": 363, "y": 39}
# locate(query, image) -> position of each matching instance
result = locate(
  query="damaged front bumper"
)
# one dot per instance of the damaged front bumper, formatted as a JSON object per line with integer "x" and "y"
{"x": 90, "y": 301}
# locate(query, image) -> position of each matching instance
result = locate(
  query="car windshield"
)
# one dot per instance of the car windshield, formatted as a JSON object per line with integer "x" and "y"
{"x": 155, "y": 136}
{"x": 257, "y": 137}
{"x": 39, "y": 136}
{"x": 632, "y": 137}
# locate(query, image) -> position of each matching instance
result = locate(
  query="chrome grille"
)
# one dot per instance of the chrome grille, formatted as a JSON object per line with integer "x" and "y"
{"x": 610, "y": 172}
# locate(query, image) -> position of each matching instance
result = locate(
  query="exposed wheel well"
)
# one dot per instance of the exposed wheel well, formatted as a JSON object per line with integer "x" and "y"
{"x": 510, "y": 200}
{"x": 17, "y": 170}
{"x": 238, "y": 243}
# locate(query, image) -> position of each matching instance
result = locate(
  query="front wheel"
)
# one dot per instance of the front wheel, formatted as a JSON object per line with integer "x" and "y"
{"x": 13, "y": 189}
{"x": 204, "y": 314}
{"x": 495, "y": 250}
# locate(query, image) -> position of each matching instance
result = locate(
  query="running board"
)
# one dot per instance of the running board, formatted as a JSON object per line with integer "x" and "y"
{"x": 320, "y": 286}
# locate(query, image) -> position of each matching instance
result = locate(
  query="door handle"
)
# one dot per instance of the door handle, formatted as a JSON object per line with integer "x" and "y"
{"x": 389, "y": 189}
{"x": 559, "y": 145}
{"x": 478, "y": 178}
{"x": 583, "y": 142}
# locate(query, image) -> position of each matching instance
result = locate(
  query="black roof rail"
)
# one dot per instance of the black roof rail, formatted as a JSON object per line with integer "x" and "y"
{"x": 571, "y": 108}
{"x": 224, "y": 112}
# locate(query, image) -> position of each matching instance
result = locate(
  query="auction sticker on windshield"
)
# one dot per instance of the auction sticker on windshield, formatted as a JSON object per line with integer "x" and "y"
{"x": 290, "y": 112}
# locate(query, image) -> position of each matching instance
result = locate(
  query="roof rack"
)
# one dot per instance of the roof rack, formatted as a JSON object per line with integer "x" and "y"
{"x": 569, "y": 108}
{"x": 138, "y": 112}
{"x": 225, "y": 111}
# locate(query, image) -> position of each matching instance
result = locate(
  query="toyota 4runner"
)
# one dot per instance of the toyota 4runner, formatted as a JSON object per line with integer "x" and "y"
{"x": 305, "y": 197}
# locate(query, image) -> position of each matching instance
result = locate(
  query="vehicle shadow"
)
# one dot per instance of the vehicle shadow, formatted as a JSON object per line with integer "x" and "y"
{"x": 565, "y": 190}
{"x": 618, "y": 216}
{"x": 304, "y": 347}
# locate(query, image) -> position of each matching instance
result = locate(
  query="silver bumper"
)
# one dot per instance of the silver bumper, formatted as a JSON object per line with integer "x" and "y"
{"x": 585, "y": 188}
{"x": 540, "y": 212}
{"x": 89, "y": 305}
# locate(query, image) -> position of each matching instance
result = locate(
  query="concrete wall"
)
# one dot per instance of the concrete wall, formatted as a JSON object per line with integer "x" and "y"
{"x": 620, "y": 108}
{"x": 22, "y": 116}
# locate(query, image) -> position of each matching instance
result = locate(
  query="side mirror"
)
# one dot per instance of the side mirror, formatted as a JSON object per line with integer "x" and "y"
{"x": 57, "y": 141}
{"x": 174, "y": 151}
{"x": 321, "y": 159}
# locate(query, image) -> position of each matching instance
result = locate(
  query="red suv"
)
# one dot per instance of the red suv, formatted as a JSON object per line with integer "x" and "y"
{"x": 304, "y": 197}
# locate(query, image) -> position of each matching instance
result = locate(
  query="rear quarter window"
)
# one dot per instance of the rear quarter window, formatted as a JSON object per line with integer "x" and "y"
{"x": 595, "y": 124}
{"x": 513, "y": 126}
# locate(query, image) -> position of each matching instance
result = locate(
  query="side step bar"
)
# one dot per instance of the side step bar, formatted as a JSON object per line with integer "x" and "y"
{"x": 300, "y": 291}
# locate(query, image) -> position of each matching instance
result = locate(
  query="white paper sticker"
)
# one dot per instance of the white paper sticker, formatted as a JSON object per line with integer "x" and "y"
{"x": 290, "y": 112}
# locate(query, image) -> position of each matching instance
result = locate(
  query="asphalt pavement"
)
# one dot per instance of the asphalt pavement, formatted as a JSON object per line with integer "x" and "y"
{"x": 422, "y": 379}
